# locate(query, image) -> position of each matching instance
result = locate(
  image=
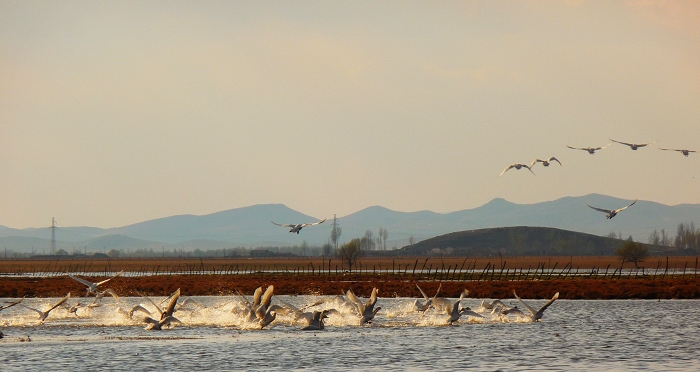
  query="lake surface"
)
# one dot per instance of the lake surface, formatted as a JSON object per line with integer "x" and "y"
{"x": 573, "y": 335}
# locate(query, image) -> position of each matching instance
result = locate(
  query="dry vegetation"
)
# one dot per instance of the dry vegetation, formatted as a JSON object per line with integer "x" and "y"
{"x": 294, "y": 276}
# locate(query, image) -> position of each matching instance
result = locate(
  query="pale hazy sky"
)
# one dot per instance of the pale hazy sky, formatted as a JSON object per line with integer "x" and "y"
{"x": 116, "y": 112}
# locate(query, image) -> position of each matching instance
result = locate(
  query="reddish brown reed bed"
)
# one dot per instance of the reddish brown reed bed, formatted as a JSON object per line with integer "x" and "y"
{"x": 403, "y": 264}
{"x": 389, "y": 286}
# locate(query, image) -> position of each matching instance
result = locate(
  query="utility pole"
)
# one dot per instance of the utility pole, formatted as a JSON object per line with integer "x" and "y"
{"x": 335, "y": 233}
{"x": 53, "y": 235}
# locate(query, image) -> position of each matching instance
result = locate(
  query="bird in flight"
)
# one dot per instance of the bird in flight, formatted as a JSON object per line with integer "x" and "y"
{"x": 591, "y": 150}
{"x": 633, "y": 146}
{"x": 536, "y": 315}
{"x": 297, "y": 227}
{"x": 682, "y": 151}
{"x": 545, "y": 162}
{"x": 517, "y": 167}
{"x": 612, "y": 213}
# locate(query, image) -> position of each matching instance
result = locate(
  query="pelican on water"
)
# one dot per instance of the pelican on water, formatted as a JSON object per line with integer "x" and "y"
{"x": 610, "y": 213}
{"x": 428, "y": 301}
{"x": 633, "y": 146}
{"x": 316, "y": 322}
{"x": 297, "y": 227}
{"x": 366, "y": 311}
{"x": 537, "y": 314}
{"x": 44, "y": 314}
{"x": 682, "y": 151}
{"x": 517, "y": 166}
{"x": 456, "y": 310}
{"x": 166, "y": 314}
{"x": 591, "y": 150}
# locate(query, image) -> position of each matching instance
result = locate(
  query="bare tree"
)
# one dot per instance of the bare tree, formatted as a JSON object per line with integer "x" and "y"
{"x": 304, "y": 247}
{"x": 350, "y": 252}
{"x": 411, "y": 240}
{"x": 383, "y": 236}
{"x": 327, "y": 249}
{"x": 654, "y": 238}
{"x": 665, "y": 239}
{"x": 367, "y": 242}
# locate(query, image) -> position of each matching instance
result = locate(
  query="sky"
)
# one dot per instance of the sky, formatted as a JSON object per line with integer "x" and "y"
{"x": 117, "y": 112}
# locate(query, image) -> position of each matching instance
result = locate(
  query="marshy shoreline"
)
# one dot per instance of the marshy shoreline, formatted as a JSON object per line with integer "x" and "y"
{"x": 600, "y": 277}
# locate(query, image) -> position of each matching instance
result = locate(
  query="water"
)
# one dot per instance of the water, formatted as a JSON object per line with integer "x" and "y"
{"x": 573, "y": 335}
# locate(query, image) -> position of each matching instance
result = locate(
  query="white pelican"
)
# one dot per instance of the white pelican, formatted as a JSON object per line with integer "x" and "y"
{"x": 316, "y": 322}
{"x": 517, "y": 166}
{"x": 92, "y": 287}
{"x": 157, "y": 325}
{"x": 166, "y": 314}
{"x": 297, "y": 227}
{"x": 365, "y": 311}
{"x": 682, "y": 151}
{"x": 44, "y": 314}
{"x": 266, "y": 312}
{"x": 251, "y": 307}
{"x": 456, "y": 310}
{"x": 537, "y": 314}
{"x": 633, "y": 146}
{"x": 418, "y": 306}
{"x": 492, "y": 304}
{"x": 443, "y": 304}
{"x": 545, "y": 162}
{"x": 612, "y": 213}
{"x": 591, "y": 150}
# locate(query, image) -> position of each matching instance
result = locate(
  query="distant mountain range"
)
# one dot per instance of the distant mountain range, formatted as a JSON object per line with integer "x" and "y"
{"x": 251, "y": 226}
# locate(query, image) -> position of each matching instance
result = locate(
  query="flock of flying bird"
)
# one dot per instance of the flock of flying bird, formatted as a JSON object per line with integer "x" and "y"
{"x": 260, "y": 311}
{"x": 609, "y": 213}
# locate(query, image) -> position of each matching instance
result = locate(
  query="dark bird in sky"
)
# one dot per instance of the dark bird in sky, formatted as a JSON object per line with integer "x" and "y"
{"x": 682, "y": 151}
{"x": 517, "y": 167}
{"x": 591, "y": 150}
{"x": 633, "y": 146}
{"x": 545, "y": 162}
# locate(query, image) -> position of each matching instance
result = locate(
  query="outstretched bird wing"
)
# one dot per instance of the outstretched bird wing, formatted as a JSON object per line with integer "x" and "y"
{"x": 624, "y": 143}
{"x": 623, "y": 208}
{"x": 555, "y": 159}
{"x": 423, "y": 293}
{"x": 168, "y": 311}
{"x": 314, "y": 224}
{"x": 83, "y": 281}
{"x": 505, "y": 170}
{"x": 359, "y": 306}
{"x": 284, "y": 225}
{"x": 59, "y": 303}
{"x": 554, "y": 298}
{"x": 106, "y": 280}
{"x": 530, "y": 309}
{"x": 601, "y": 209}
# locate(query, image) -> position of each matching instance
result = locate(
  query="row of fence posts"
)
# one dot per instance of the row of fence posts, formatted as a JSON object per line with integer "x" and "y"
{"x": 457, "y": 272}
